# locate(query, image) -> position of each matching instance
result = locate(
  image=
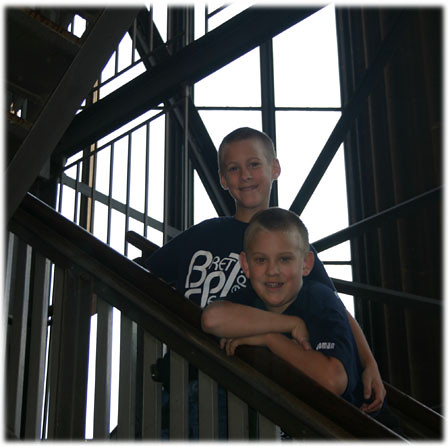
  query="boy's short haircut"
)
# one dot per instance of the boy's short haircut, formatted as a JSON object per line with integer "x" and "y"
{"x": 276, "y": 219}
{"x": 243, "y": 133}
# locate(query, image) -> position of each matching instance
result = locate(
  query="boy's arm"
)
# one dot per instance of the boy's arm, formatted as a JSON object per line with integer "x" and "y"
{"x": 229, "y": 320}
{"x": 326, "y": 370}
{"x": 371, "y": 376}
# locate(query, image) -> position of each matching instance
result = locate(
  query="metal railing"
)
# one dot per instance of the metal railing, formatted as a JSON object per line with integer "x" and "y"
{"x": 90, "y": 277}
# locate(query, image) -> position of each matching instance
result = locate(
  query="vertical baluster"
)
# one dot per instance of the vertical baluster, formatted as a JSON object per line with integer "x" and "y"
{"x": 178, "y": 397}
{"x": 127, "y": 396}
{"x": 18, "y": 300}
{"x": 238, "y": 418}
{"x": 69, "y": 354}
{"x": 103, "y": 371}
{"x": 208, "y": 407}
{"x": 152, "y": 390}
{"x": 38, "y": 347}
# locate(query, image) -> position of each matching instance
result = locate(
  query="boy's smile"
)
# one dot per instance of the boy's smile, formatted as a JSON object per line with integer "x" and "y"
{"x": 275, "y": 265}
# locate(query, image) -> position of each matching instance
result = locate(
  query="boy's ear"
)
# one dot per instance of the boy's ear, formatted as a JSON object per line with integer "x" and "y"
{"x": 308, "y": 263}
{"x": 276, "y": 169}
{"x": 244, "y": 264}
{"x": 223, "y": 182}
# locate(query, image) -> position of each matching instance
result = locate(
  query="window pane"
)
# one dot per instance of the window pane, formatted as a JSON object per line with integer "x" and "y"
{"x": 100, "y": 223}
{"x": 300, "y": 139}
{"x": 120, "y": 164}
{"x": 219, "y": 123}
{"x": 156, "y": 168}
{"x": 102, "y": 179}
{"x": 306, "y": 63}
{"x": 203, "y": 207}
{"x": 138, "y": 163}
{"x": 326, "y": 212}
{"x": 236, "y": 84}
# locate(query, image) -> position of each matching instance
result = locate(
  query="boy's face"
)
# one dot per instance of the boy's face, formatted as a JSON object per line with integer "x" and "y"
{"x": 275, "y": 265}
{"x": 247, "y": 175}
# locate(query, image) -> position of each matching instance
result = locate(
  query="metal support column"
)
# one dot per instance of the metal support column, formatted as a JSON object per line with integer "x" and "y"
{"x": 268, "y": 101}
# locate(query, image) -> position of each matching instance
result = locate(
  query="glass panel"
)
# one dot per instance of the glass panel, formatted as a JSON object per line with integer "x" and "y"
{"x": 102, "y": 179}
{"x": 219, "y": 123}
{"x": 122, "y": 79}
{"x": 156, "y": 169}
{"x": 125, "y": 52}
{"x": 326, "y": 212}
{"x": 160, "y": 17}
{"x": 343, "y": 272}
{"x": 203, "y": 207}
{"x": 100, "y": 226}
{"x": 155, "y": 236}
{"x": 300, "y": 139}
{"x": 136, "y": 226}
{"x": 236, "y": 84}
{"x": 68, "y": 199}
{"x": 120, "y": 163}
{"x": 79, "y": 26}
{"x": 138, "y": 163}
{"x": 109, "y": 69}
{"x": 306, "y": 63}
{"x": 117, "y": 231}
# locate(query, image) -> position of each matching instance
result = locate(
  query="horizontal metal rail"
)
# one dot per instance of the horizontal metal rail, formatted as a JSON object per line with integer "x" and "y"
{"x": 417, "y": 417}
{"x": 374, "y": 221}
{"x": 387, "y": 296}
{"x": 279, "y": 391}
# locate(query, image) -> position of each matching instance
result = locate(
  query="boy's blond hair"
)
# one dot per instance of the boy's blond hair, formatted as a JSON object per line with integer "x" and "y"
{"x": 276, "y": 219}
{"x": 243, "y": 133}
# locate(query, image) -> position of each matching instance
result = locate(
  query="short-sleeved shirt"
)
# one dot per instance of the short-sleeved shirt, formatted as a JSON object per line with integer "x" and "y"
{"x": 328, "y": 328}
{"x": 203, "y": 261}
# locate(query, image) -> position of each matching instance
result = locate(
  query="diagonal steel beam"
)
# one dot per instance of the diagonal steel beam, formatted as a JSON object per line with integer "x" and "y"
{"x": 203, "y": 152}
{"x": 62, "y": 105}
{"x": 372, "y": 75}
{"x": 374, "y": 221}
{"x": 202, "y": 57}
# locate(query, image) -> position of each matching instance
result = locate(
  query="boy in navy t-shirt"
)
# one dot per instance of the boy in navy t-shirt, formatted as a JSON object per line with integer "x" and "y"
{"x": 276, "y": 257}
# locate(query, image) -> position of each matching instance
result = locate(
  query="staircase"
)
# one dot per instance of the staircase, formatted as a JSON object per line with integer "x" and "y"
{"x": 90, "y": 277}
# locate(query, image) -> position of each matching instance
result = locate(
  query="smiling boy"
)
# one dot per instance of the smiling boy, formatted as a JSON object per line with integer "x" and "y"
{"x": 276, "y": 257}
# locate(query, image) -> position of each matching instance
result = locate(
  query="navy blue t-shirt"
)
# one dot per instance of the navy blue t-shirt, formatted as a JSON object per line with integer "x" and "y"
{"x": 203, "y": 261}
{"x": 328, "y": 328}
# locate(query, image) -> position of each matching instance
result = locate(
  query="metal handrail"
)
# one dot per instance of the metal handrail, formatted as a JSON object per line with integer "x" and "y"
{"x": 414, "y": 414}
{"x": 279, "y": 391}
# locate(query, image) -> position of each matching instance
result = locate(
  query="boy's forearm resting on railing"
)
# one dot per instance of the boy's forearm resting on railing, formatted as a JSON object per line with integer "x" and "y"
{"x": 326, "y": 370}
{"x": 243, "y": 325}
{"x": 230, "y": 320}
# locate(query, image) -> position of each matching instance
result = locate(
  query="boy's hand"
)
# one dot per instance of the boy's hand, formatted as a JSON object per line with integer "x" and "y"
{"x": 300, "y": 334}
{"x": 230, "y": 344}
{"x": 373, "y": 387}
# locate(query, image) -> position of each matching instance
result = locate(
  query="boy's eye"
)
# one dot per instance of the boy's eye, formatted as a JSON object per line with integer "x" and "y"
{"x": 259, "y": 260}
{"x": 232, "y": 169}
{"x": 285, "y": 259}
{"x": 254, "y": 164}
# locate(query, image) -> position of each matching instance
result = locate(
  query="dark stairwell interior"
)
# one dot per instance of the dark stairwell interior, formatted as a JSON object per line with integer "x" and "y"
{"x": 391, "y": 127}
